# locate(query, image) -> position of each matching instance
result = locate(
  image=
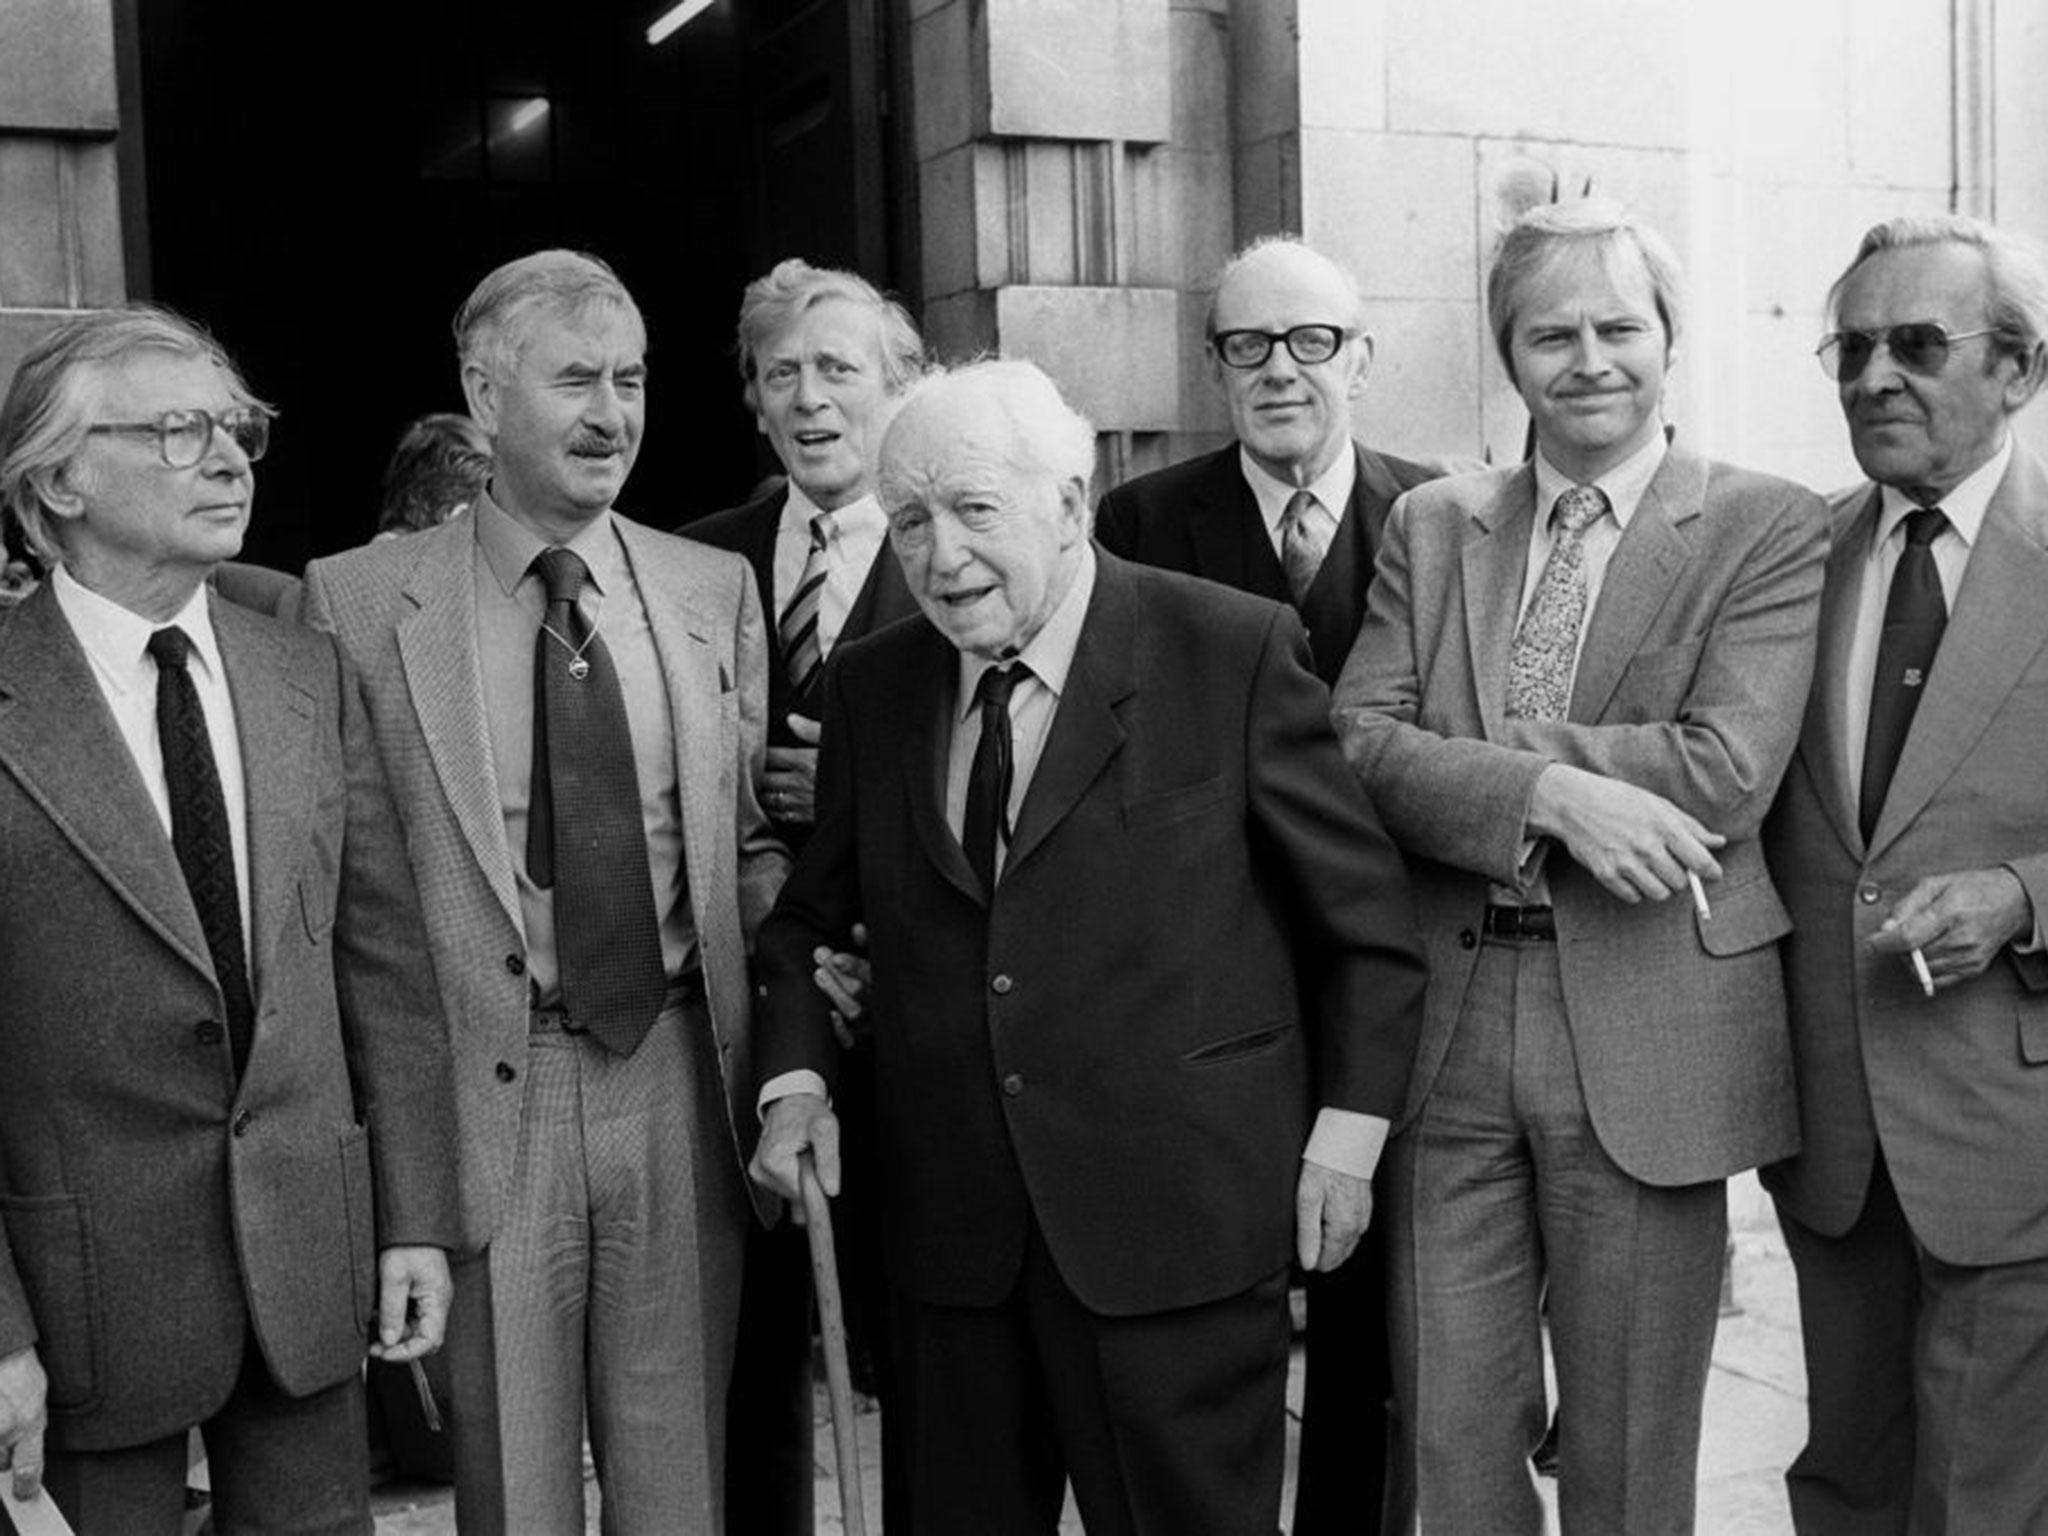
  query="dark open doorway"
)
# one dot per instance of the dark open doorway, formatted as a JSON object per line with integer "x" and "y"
{"x": 324, "y": 184}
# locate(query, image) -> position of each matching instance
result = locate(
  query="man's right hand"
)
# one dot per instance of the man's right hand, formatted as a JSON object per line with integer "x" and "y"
{"x": 794, "y": 1124}
{"x": 24, "y": 1393}
{"x": 1635, "y": 843}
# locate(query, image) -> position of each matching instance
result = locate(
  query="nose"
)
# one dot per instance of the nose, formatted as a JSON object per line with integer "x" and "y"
{"x": 224, "y": 455}
{"x": 1591, "y": 352}
{"x": 603, "y": 407}
{"x": 1280, "y": 365}
{"x": 808, "y": 396}
{"x": 948, "y": 551}
{"x": 1880, "y": 373}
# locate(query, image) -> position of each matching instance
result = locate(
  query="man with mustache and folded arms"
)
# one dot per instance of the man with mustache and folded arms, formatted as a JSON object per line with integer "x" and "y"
{"x": 1579, "y": 681}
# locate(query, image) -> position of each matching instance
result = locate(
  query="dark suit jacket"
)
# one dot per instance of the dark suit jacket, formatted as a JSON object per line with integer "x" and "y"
{"x": 749, "y": 530}
{"x": 1201, "y": 933}
{"x": 1690, "y": 684}
{"x": 156, "y": 1212}
{"x": 1955, "y": 1086}
{"x": 1200, "y": 517}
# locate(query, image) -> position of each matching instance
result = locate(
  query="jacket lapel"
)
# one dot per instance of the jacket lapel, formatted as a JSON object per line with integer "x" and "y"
{"x": 1824, "y": 735}
{"x": 1999, "y": 628}
{"x": 1646, "y": 564}
{"x": 926, "y": 733}
{"x": 59, "y": 741}
{"x": 274, "y": 721}
{"x": 1086, "y": 733}
{"x": 884, "y": 597}
{"x": 437, "y": 647}
{"x": 1496, "y": 551}
{"x": 1228, "y": 535}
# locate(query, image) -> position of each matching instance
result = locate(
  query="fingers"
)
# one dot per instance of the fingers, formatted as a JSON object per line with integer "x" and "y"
{"x": 27, "y": 1472}
{"x": 1308, "y": 1220}
{"x": 394, "y": 1292}
{"x": 805, "y": 729}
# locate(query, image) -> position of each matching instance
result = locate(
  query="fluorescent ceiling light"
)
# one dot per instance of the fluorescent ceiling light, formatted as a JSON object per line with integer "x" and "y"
{"x": 675, "y": 19}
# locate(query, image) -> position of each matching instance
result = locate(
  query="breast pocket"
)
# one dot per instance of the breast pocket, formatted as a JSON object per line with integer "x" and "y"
{"x": 1656, "y": 682}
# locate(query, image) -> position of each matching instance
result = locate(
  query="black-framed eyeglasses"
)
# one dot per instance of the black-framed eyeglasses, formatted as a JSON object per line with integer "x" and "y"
{"x": 1306, "y": 344}
{"x": 184, "y": 436}
{"x": 1918, "y": 346}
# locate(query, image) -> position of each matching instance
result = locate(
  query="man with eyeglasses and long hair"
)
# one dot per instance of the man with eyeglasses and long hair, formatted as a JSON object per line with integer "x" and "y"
{"x": 222, "y": 1074}
{"x": 1293, "y": 510}
{"x": 1911, "y": 843}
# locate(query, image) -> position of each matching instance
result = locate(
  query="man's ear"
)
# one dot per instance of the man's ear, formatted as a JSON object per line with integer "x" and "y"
{"x": 59, "y": 491}
{"x": 2029, "y": 371}
{"x": 1361, "y": 367}
{"x": 480, "y": 389}
{"x": 1077, "y": 518}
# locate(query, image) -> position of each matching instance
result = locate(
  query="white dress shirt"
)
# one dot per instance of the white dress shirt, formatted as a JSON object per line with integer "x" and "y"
{"x": 854, "y": 535}
{"x": 1623, "y": 487}
{"x": 1331, "y": 491}
{"x": 116, "y": 643}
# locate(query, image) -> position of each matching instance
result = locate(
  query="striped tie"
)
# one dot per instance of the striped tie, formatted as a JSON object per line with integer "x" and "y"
{"x": 801, "y": 653}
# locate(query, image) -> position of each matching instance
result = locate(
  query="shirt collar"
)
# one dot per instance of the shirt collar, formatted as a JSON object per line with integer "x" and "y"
{"x": 117, "y": 640}
{"x": 1332, "y": 487}
{"x": 1623, "y": 485}
{"x": 1964, "y": 505}
{"x": 1050, "y": 654}
{"x": 509, "y": 546}
{"x": 857, "y": 518}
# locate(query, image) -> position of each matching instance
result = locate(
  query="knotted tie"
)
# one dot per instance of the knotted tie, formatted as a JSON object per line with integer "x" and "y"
{"x": 802, "y": 655}
{"x": 1915, "y": 614}
{"x": 584, "y": 835}
{"x": 987, "y": 818}
{"x": 1304, "y": 540}
{"x": 200, "y": 833}
{"x": 1546, "y": 649}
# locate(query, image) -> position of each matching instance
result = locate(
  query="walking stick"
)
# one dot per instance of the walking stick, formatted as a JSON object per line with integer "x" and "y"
{"x": 832, "y": 1325}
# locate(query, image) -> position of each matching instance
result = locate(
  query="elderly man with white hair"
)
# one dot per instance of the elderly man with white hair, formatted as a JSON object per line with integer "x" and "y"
{"x": 1144, "y": 977}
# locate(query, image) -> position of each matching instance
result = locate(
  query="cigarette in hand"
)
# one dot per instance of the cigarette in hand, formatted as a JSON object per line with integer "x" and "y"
{"x": 1920, "y": 970}
{"x": 425, "y": 1389}
{"x": 1699, "y": 897}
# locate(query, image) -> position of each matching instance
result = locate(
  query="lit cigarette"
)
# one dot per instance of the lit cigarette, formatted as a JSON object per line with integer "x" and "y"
{"x": 425, "y": 1388}
{"x": 1920, "y": 970}
{"x": 1699, "y": 897}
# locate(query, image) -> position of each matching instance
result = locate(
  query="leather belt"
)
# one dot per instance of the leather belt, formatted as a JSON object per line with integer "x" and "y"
{"x": 554, "y": 1019}
{"x": 1531, "y": 924}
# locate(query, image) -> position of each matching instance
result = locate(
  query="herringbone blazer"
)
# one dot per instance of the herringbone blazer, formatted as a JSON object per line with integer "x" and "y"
{"x": 404, "y": 613}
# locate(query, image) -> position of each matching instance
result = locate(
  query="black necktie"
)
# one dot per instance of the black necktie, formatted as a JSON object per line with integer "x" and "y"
{"x": 199, "y": 831}
{"x": 584, "y": 835}
{"x": 988, "y": 782}
{"x": 1915, "y": 613}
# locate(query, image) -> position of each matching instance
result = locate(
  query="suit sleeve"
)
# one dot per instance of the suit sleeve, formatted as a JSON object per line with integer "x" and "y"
{"x": 762, "y": 860}
{"x": 1115, "y": 528}
{"x": 1722, "y": 756}
{"x": 819, "y": 905}
{"x": 390, "y": 1002}
{"x": 1456, "y": 800}
{"x": 1352, "y": 914}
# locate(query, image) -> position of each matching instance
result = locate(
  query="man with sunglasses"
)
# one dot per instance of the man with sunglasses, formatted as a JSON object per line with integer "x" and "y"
{"x": 1911, "y": 842}
{"x": 225, "y": 1082}
{"x": 1292, "y": 510}
{"x": 1579, "y": 681}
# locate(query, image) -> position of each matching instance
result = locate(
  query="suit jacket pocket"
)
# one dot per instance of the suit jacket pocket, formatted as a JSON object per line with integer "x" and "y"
{"x": 356, "y": 1190}
{"x": 1746, "y": 917}
{"x": 2033, "y": 1030}
{"x": 1256, "y": 1042}
{"x": 1189, "y": 800}
{"x": 51, "y": 1240}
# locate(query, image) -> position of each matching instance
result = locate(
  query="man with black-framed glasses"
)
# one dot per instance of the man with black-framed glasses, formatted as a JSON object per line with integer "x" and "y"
{"x": 1910, "y": 840}
{"x": 1292, "y": 510}
{"x": 225, "y": 1077}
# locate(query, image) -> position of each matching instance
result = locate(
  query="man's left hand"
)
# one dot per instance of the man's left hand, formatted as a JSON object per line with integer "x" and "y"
{"x": 1331, "y": 1212}
{"x": 413, "y": 1290}
{"x": 789, "y": 788}
{"x": 1959, "y": 922}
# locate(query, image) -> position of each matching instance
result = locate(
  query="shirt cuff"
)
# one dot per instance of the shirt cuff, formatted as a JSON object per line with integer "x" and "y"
{"x": 803, "y": 1080}
{"x": 1346, "y": 1141}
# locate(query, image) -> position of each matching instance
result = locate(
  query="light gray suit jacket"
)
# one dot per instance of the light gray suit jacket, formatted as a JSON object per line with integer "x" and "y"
{"x": 1690, "y": 684}
{"x": 154, "y": 1210}
{"x": 1954, "y": 1086}
{"x": 404, "y": 612}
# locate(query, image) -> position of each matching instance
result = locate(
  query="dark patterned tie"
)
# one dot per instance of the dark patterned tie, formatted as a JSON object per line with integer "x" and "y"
{"x": 802, "y": 654}
{"x": 584, "y": 835}
{"x": 1915, "y": 614}
{"x": 200, "y": 833}
{"x": 987, "y": 818}
{"x": 1546, "y": 649}
{"x": 1304, "y": 541}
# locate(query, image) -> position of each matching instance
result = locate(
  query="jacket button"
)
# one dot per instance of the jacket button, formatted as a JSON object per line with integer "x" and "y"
{"x": 515, "y": 965}
{"x": 243, "y": 1122}
{"x": 1001, "y": 986}
{"x": 1868, "y": 894}
{"x": 1013, "y": 1084}
{"x": 1467, "y": 938}
{"x": 208, "y": 1031}
{"x": 507, "y": 1072}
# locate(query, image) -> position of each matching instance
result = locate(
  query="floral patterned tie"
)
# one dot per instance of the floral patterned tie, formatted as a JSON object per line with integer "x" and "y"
{"x": 1546, "y": 650}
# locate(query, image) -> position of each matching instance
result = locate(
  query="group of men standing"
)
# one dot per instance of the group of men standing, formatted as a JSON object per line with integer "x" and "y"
{"x": 436, "y": 970}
